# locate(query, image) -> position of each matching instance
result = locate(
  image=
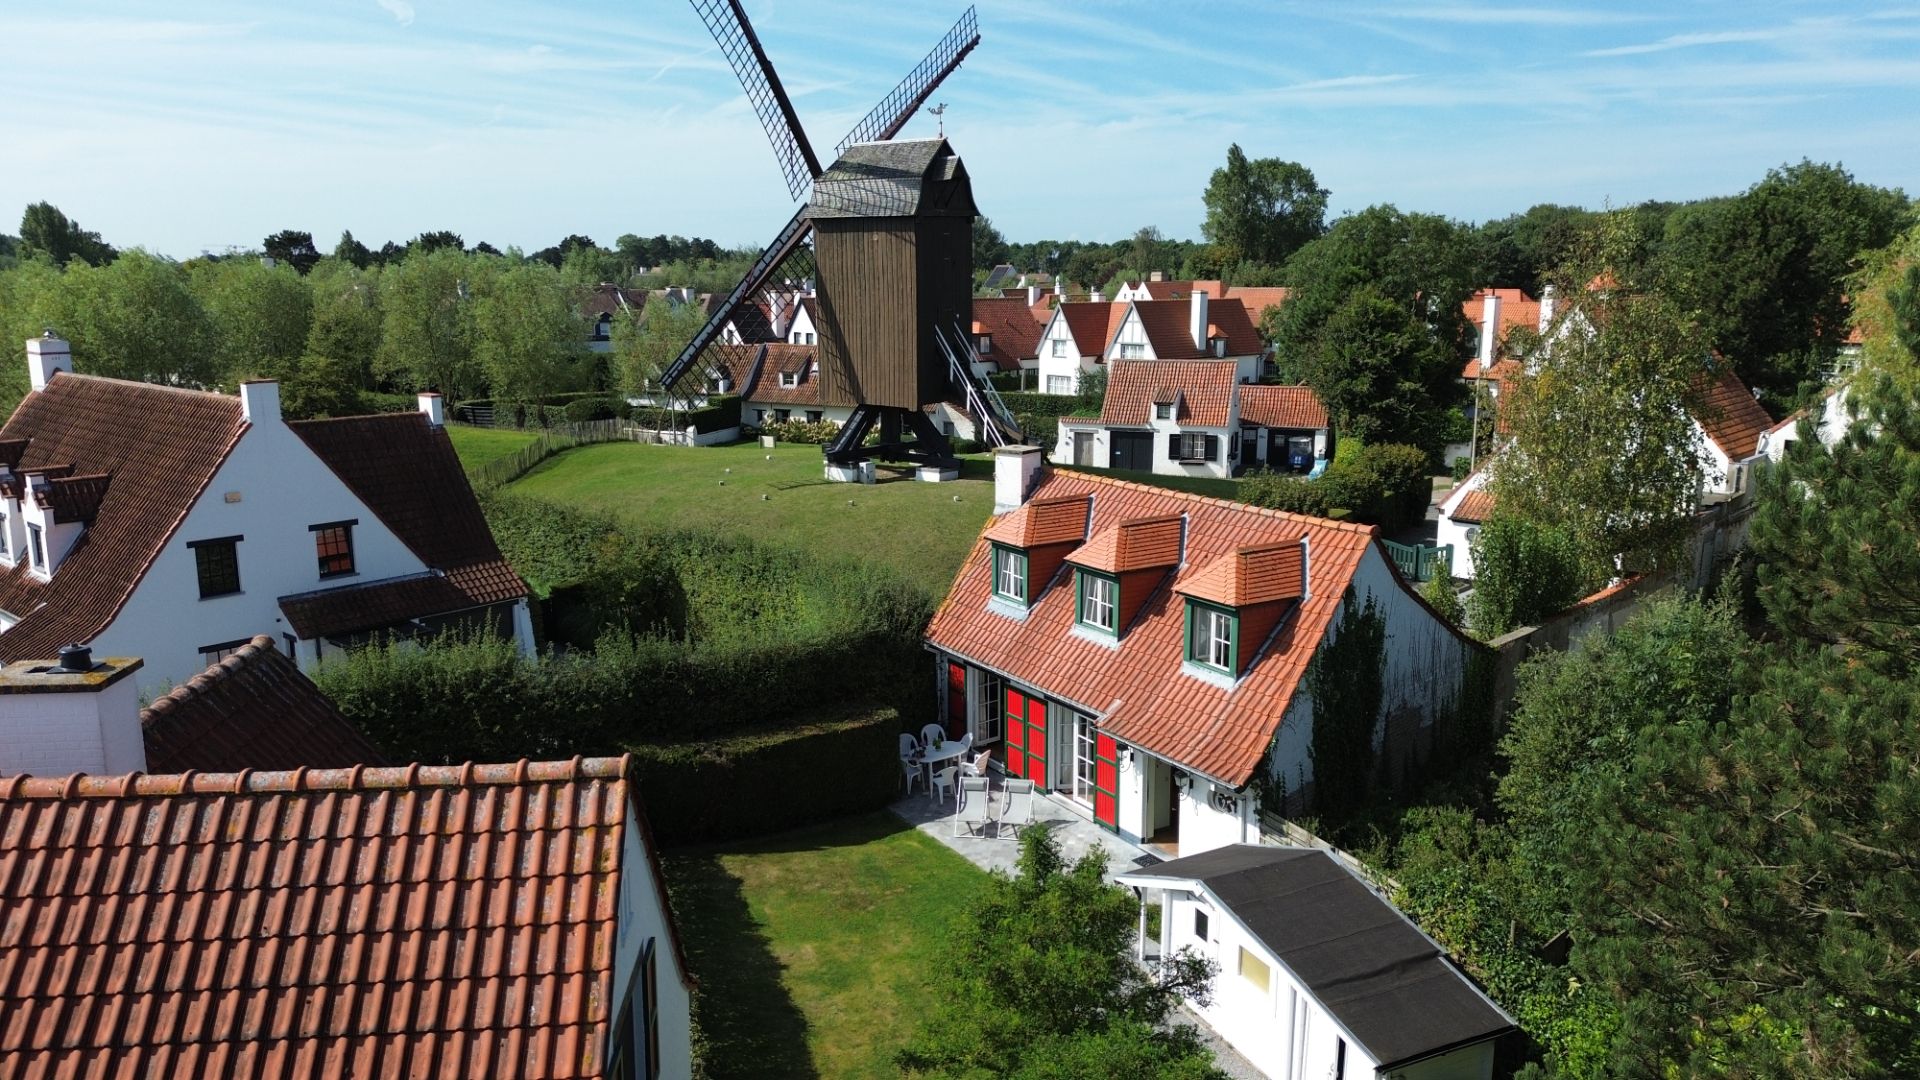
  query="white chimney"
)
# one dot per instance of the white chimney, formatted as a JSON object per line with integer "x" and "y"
{"x": 1489, "y": 330}
{"x": 1033, "y": 295}
{"x": 1157, "y": 275}
{"x": 1098, "y": 297}
{"x": 1197, "y": 321}
{"x": 72, "y": 715}
{"x": 46, "y": 354}
{"x": 260, "y": 400}
{"x": 1547, "y": 301}
{"x": 433, "y": 407}
{"x": 1014, "y": 471}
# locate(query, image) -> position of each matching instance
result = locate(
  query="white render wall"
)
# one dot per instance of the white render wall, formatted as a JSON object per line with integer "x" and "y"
{"x": 1071, "y": 365}
{"x": 642, "y": 917}
{"x": 282, "y": 488}
{"x": 1284, "y": 1031}
{"x": 56, "y": 734}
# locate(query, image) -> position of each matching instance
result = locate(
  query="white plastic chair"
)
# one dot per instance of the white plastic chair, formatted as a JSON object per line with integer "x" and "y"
{"x": 909, "y": 746}
{"x": 978, "y": 766}
{"x": 1019, "y": 809}
{"x": 943, "y": 782}
{"x": 932, "y": 733}
{"x": 976, "y": 809}
{"x": 911, "y": 770}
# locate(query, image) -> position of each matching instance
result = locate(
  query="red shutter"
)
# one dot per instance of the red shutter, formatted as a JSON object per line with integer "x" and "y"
{"x": 1016, "y": 725}
{"x": 1106, "y": 781}
{"x": 956, "y": 700}
{"x": 1036, "y": 744}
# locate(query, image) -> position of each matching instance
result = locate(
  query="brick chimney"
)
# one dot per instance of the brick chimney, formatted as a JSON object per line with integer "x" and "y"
{"x": 1197, "y": 321}
{"x": 1015, "y": 468}
{"x": 46, "y": 354}
{"x": 76, "y": 714}
{"x": 1489, "y": 330}
{"x": 433, "y": 407}
{"x": 260, "y": 400}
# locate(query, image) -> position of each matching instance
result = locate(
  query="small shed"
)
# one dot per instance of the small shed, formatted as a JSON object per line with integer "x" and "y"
{"x": 893, "y": 240}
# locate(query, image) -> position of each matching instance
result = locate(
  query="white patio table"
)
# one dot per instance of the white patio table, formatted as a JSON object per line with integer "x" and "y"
{"x": 933, "y": 755}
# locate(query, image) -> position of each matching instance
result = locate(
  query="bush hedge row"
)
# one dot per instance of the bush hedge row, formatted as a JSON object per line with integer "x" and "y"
{"x": 1385, "y": 485}
{"x": 798, "y": 431}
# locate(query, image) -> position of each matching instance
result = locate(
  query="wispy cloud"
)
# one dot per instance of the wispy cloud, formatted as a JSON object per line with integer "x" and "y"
{"x": 401, "y": 11}
{"x": 1507, "y": 16}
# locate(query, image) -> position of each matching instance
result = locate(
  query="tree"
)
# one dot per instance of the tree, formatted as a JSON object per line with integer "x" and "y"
{"x": 1516, "y": 250}
{"x": 528, "y": 338}
{"x": 349, "y": 250}
{"x": 1523, "y": 571}
{"x": 441, "y": 240}
{"x": 426, "y": 339}
{"x": 645, "y": 344}
{"x": 1262, "y": 210}
{"x": 260, "y": 316}
{"x": 293, "y": 248}
{"x": 43, "y": 228}
{"x": 1381, "y": 371}
{"x": 1037, "y": 980}
{"x": 557, "y": 254}
{"x": 1600, "y": 421}
{"x": 1345, "y": 680}
{"x": 134, "y": 318}
{"x": 989, "y": 247}
{"x": 1765, "y": 272}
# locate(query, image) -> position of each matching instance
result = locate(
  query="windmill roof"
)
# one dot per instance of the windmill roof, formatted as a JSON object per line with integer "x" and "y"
{"x": 891, "y": 179}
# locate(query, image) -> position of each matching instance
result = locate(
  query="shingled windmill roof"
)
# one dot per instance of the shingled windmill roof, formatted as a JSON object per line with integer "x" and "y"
{"x": 912, "y": 178}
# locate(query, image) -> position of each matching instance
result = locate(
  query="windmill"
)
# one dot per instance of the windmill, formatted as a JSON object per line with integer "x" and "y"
{"x": 886, "y": 233}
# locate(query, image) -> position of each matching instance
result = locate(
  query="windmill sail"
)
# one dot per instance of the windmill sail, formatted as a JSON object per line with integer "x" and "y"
{"x": 789, "y": 258}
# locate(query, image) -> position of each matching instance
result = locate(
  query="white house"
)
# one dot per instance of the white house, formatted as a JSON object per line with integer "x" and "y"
{"x": 1196, "y": 418}
{"x": 1141, "y": 651}
{"x": 452, "y": 920}
{"x": 176, "y": 525}
{"x": 1831, "y": 419}
{"x": 1081, "y": 336}
{"x": 1319, "y": 976}
{"x": 1462, "y": 512}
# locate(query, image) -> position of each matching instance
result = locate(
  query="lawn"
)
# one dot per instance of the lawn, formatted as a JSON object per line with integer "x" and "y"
{"x": 813, "y": 947}
{"x": 477, "y": 446}
{"x": 921, "y": 530}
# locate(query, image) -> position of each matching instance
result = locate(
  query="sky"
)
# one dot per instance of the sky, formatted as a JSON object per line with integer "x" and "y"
{"x": 204, "y": 125}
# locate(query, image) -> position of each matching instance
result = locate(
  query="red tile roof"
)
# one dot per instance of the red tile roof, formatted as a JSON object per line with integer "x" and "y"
{"x": 1257, "y": 298}
{"x": 159, "y": 446}
{"x": 604, "y": 299}
{"x": 1138, "y": 544}
{"x": 73, "y": 498}
{"x": 1092, "y": 325}
{"x": 1180, "y": 290}
{"x": 1206, "y": 390}
{"x": 1256, "y": 574}
{"x": 1282, "y": 407}
{"x": 431, "y": 920}
{"x": 1474, "y": 508}
{"x": 1517, "y": 309}
{"x": 252, "y": 710}
{"x": 377, "y": 605}
{"x": 1013, "y": 332}
{"x": 1729, "y": 414}
{"x": 782, "y": 357}
{"x": 1169, "y": 328}
{"x": 1138, "y": 689}
{"x": 406, "y": 472}
{"x": 1043, "y": 521}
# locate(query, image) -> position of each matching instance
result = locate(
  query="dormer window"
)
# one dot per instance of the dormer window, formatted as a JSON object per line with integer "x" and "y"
{"x": 1010, "y": 574}
{"x": 36, "y": 547}
{"x": 1163, "y": 411}
{"x": 1099, "y": 601}
{"x": 789, "y": 378}
{"x": 719, "y": 384}
{"x": 6, "y": 553}
{"x": 1212, "y": 636}
{"x": 986, "y": 344}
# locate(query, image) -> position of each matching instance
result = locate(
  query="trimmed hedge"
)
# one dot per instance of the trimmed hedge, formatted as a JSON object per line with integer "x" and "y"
{"x": 720, "y": 413}
{"x": 1385, "y": 485}
{"x": 769, "y": 780}
{"x": 799, "y": 431}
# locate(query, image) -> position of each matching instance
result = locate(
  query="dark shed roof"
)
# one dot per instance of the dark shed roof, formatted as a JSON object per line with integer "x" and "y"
{"x": 912, "y": 178}
{"x": 1384, "y": 980}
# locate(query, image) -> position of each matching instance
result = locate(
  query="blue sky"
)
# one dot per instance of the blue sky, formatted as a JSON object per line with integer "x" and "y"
{"x": 202, "y": 124}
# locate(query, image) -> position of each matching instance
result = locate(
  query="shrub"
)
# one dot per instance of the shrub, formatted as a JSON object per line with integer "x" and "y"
{"x": 719, "y": 414}
{"x": 1384, "y": 485}
{"x": 1522, "y": 572}
{"x": 1461, "y": 468}
{"x": 586, "y": 409}
{"x": 800, "y": 431}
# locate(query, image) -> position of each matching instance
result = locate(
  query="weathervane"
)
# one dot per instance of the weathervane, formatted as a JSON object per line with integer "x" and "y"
{"x": 940, "y": 113}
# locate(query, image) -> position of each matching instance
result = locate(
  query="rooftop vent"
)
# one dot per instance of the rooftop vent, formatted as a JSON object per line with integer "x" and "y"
{"x": 75, "y": 658}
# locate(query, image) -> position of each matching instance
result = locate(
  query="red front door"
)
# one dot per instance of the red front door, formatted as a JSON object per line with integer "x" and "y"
{"x": 956, "y": 700}
{"x": 1027, "y": 737}
{"x": 1106, "y": 781}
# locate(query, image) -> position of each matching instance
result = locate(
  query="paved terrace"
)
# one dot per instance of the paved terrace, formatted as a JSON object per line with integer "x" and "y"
{"x": 1077, "y": 835}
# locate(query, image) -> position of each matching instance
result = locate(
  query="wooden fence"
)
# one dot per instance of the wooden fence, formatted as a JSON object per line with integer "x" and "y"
{"x": 503, "y": 470}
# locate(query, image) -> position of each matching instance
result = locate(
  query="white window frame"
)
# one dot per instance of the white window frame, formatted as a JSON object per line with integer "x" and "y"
{"x": 1060, "y": 385}
{"x": 1083, "y": 779}
{"x": 37, "y": 547}
{"x": 1133, "y": 350}
{"x": 1163, "y": 410}
{"x": 1193, "y": 446}
{"x": 1099, "y": 601}
{"x": 1010, "y": 575}
{"x": 1060, "y": 347}
{"x": 992, "y": 717}
{"x": 789, "y": 379}
{"x": 1212, "y": 644}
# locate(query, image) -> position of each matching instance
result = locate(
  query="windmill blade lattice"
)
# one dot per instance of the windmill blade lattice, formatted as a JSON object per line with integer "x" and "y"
{"x": 894, "y": 110}
{"x": 728, "y": 24}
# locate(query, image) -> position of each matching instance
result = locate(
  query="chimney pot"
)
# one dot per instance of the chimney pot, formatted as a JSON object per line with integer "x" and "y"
{"x": 47, "y": 355}
{"x": 434, "y": 408}
{"x": 76, "y": 657}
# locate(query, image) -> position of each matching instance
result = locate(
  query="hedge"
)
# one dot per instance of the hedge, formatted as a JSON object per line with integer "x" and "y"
{"x": 720, "y": 413}
{"x": 1385, "y": 485}
{"x": 799, "y": 431}
{"x": 769, "y": 780}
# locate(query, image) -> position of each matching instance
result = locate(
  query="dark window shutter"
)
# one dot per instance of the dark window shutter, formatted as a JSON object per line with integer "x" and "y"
{"x": 1213, "y": 448}
{"x": 1173, "y": 447}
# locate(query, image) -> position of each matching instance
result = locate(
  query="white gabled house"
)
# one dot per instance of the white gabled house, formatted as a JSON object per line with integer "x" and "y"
{"x": 1079, "y": 337}
{"x": 175, "y": 525}
{"x": 1142, "y": 651}
{"x": 1319, "y": 976}
{"x": 1197, "y": 418}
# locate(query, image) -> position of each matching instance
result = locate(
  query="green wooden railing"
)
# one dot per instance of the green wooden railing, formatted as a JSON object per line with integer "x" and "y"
{"x": 1419, "y": 561}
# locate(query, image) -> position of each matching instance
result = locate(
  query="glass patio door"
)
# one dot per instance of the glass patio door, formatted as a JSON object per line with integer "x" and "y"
{"x": 1083, "y": 759}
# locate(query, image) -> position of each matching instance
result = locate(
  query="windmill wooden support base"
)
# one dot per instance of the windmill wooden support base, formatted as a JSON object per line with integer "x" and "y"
{"x": 905, "y": 435}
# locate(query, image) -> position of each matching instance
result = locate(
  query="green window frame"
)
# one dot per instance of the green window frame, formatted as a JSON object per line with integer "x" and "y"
{"x": 1213, "y": 636}
{"x": 1010, "y": 574}
{"x": 1097, "y": 595}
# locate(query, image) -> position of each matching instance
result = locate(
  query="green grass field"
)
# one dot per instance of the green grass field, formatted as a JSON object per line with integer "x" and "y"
{"x": 477, "y": 446}
{"x": 918, "y": 529}
{"x": 813, "y": 947}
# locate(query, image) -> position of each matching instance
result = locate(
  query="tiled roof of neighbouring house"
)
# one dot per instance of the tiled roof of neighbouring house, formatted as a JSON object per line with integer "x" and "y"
{"x": 405, "y": 470}
{"x": 1258, "y": 298}
{"x": 1474, "y": 507}
{"x": 1389, "y": 985}
{"x": 158, "y": 446}
{"x": 1205, "y": 387}
{"x": 428, "y": 920}
{"x": 1169, "y": 328}
{"x": 1729, "y": 414}
{"x": 1013, "y": 332}
{"x": 1092, "y": 325}
{"x": 1517, "y": 309}
{"x": 795, "y": 361}
{"x": 1282, "y": 407}
{"x": 1137, "y": 688}
{"x": 252, "y": 710}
